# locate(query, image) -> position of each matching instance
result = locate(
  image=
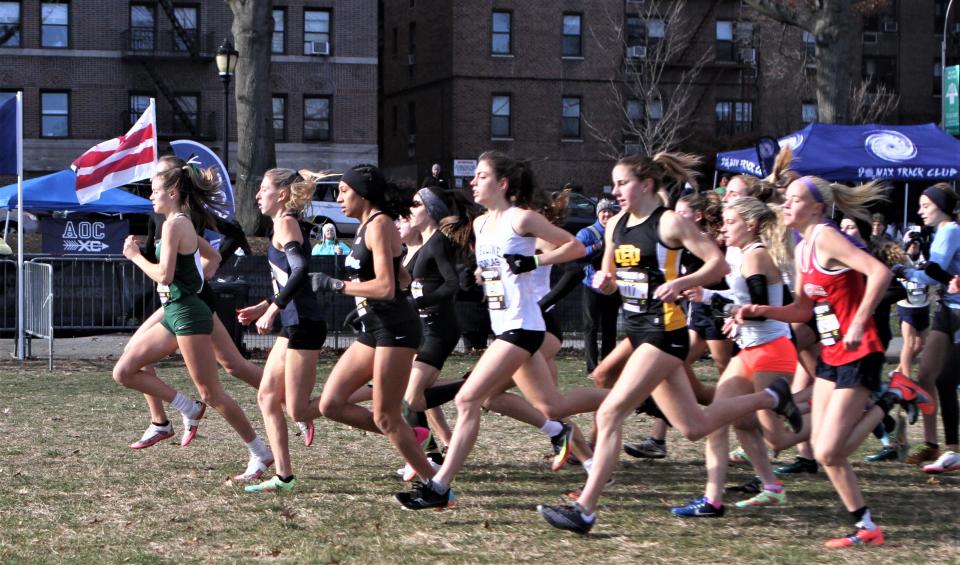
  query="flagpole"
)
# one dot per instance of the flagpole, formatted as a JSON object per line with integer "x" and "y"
{"x": 21, "y": 351}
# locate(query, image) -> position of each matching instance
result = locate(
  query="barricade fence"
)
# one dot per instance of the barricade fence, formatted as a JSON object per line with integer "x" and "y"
{"x": 38, "y": 305}
{"x": 109, "y": 294}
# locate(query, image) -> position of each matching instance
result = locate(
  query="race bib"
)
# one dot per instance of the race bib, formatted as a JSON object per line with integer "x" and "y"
{"x": 493, "y": 289}
{"x": 416, "y": 289}
{"x": 164, "y": 291}
{"x": 361, "y": 303}
{"x": 828, "y": 325}
{"x": 634, "y": 286}
{"x": 916, "y": 293}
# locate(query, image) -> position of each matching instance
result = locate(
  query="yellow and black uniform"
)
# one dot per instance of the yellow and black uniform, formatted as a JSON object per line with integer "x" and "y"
{"x": 644, "y": 263}
{"x": 183, "y": 311}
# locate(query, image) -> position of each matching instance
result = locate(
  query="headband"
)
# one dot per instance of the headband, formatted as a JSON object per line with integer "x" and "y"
{"x": 436, "y": 209}
{"x": 812, "y": 187}
{"x": 944, "y": 200}
{"x": 360, "y": 183}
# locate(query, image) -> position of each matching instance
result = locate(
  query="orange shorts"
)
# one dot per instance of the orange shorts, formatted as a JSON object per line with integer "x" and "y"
{"x": 777, "y": 356}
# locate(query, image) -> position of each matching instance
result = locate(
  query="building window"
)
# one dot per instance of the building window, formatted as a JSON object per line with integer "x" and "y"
{"x": 656, "y": 31}
{"x": 634, "y": 113}
{"x": 190, "y": 104}
{"x": 808, "y": 112}
{"x": 9, "y": 24}
{"x": 278, "y": 42}
{"x": 634, "y": 32}
{"x": 880, "y": 72}
{"x": 316, "y": 32}
{"x": 809, "y": 45}
{"x": 572, "y": 44}
{"x": 138, "y": 105}
{"x": 55, "y": 24}
{"x": 279, "y": 118}
{"x": 734, "y": 117}
{"x": 571, "y": 117}
{"x": 655, "y": 110}
{"x": 500, "y": 116}
{"x": 142, "y": 27}
{"x": 500, "y": 39}
{"x": 316, "y": 119}
{"x": 187, "y": 18}
{"x": 54, "y": 114}
{"x": 724, "y": 47}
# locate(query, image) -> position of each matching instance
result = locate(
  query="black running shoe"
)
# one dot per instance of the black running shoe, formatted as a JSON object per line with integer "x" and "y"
{"x": 566, "y": 517}
{"x": 800, "y": 465}
{"x": 753, "y": 486}
{"x": 422, "y": 497}
{"x": 786, "y": 407}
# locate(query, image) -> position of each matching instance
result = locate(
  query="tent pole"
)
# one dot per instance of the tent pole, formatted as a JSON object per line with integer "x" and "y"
{"x": 714, "y": 179}
{"x": 906, "y": 202}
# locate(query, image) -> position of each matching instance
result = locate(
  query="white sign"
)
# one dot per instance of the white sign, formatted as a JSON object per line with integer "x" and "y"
{"x": 464, "y": 167}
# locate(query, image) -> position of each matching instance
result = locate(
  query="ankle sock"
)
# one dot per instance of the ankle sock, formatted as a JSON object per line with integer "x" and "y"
{"x": 184, "y": 404}
{"x": 588, "y": 465}
{"x": 551, "y": 428}
{"x": 437, "y": 487}
{"x": 863, "y": 518}
{"x": 285, "y": 479}
{"x": 163, "y": 424}
{"x": 776, "y": 486}
{"x": 257, "y": 447}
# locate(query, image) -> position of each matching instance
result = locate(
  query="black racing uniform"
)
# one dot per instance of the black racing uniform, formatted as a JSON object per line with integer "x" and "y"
{"x": 434, "y": 290}
{"x": 384, "y": 323}
{"x": 301, "y": 318}
{"x": 700, "y": 317}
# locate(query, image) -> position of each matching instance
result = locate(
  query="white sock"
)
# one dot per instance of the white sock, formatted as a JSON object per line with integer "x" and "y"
{"x": 184, "y": 404}
{"x": 774, "y": 396}
{"x": 588, "y": 465}
{"x": 866, "y": 522}
{"x": 258, "y": 448}
{"x": 438, "y": 487}
{"x": 588, "y": 517}
{"x": 551, "y": 428}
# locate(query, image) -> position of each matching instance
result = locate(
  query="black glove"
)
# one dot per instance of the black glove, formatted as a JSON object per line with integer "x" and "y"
{"x": 520, "y": 263}
{"x": 322, "y": 282}
{"x": 899, "y": 271}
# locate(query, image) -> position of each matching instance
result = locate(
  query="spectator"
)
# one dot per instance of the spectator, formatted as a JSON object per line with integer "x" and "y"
{"x": 599, "y": 310}
{"x": 329, "y": 245}
{"x": 435, "y": 178}
{"x": 879, "y": 227}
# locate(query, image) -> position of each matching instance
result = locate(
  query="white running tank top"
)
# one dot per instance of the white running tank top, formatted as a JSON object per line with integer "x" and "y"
{"x": 511, "y": 299}
{"x": 756, "y": 332}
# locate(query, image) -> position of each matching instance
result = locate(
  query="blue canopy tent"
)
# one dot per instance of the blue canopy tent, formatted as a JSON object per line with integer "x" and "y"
{"x": 57, "y": 193}
{"x": 917, "y": 153}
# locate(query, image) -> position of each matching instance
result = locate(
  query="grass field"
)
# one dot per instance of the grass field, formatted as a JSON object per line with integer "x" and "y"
{"x": 72, "y": 492}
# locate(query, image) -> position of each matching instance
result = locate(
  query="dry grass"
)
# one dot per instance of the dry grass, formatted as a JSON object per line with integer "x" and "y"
{"x": 73, "y": 492}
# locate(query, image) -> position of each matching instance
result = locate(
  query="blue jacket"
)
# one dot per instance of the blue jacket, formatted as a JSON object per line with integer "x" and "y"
{"x": 592, "y": 239}
{"x": 945, "y": 251}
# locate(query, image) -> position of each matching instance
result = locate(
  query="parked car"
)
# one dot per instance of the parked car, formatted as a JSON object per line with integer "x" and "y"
{"x": 581, "y": 212}
{"x": 324, "y": 209}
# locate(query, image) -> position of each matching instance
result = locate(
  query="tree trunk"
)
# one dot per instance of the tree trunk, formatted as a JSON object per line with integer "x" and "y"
{"x": 835, "y": 44}
{"x": 252, "y": 33}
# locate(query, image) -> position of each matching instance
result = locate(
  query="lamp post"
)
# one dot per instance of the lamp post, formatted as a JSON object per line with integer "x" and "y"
{"x": 226, "y": 64}
{"x": 943, "y": 63}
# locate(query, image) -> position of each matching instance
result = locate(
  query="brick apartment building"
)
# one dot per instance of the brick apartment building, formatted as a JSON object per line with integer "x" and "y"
{"x": 88, "y": 68}
{"x": 533, "y": 79}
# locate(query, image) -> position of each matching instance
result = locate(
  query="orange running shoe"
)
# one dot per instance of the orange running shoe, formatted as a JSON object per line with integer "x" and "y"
{"x": 911, "y": 391}
{"x": 860, "y": 536}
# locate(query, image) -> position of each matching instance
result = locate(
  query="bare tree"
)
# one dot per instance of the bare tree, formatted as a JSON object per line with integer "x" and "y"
{"x": 833, "y": 24}
{"x": 652, "y": 97}
{"x": 870, "y": 103}
{"x": 252, "y": 33}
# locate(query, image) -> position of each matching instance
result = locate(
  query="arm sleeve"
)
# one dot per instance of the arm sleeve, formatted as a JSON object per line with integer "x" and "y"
{"x": 570, "y": 280}
{"x": 757, "y": 286}
{"x": 443, "y": 257}
{"x": 942, "y": 250}
{"x": 298, "y": 273}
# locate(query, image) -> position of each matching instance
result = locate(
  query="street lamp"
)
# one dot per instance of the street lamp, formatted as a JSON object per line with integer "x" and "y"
{"x": 226, "y": 63}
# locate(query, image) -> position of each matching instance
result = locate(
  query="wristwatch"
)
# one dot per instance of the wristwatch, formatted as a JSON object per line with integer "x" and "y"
{"x": 338, "y": 286}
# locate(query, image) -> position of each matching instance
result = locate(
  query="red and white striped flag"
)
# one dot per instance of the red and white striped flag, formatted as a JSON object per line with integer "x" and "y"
{"x": 118, "y": 161}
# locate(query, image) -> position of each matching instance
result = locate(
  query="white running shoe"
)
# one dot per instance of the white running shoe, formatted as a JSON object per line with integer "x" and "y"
{"x": 407, "y": 472}
{"x": 306, "y": 430}
{"x": 190, "y": 425}
{"x": 949, "y": 461}
{"x": 256, "y": 467}
{"x": 154, "y": 435}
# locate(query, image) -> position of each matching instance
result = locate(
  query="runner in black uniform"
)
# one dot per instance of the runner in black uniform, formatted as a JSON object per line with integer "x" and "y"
{"x": 390, "y": 328}
{"x": 291, "y": 370}
{"x": 642, "y": 261}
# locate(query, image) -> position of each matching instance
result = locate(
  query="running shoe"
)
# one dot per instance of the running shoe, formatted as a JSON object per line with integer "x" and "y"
{"x": 765, "y": 498}
{"x": 436, "y": 457}
{"x": 738, "y": 455}
{"x": 421, "y": 497}
{"x": 566, "y": 517}
{"x": 949, "y": 461}
{"x": 922, "y": 453}
{"x": 190, "y": 425}
{"x": 886, "y": 453}
{"x": 561, "y": 446}
{"x": 649, "y": 448}
{"x": 273, "y": 484}
{"x": 799, "y": 465}
{"x": 154, "y": 435}
{"x": 860, "y": 536}
{"x": 256, "y": 467}
{"x": 786, "y": 406}
{"x": 306, "y": 430}
{"x": 910, "y": 391}
{"x": 408, "y": 473}
{"x": 751, "y": 486}
{"x": 698, "y": 508}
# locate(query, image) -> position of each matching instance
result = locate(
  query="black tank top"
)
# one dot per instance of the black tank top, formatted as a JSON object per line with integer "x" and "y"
{"x": 304, "y": 304}
{"x": 644, "y": 263}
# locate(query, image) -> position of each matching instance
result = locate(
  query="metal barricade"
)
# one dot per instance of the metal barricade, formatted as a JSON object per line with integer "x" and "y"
{"x": 38, "y": 305}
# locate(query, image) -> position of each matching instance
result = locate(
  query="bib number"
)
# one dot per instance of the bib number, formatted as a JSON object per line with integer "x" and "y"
{"x": 164, "y": 292}
{"x": 916, "y": 293}
{"x": 634, "y": 286}
{"x": 493, "y": 289}
{"x": 828, "y": 325}
{"x": 416, "y": 289}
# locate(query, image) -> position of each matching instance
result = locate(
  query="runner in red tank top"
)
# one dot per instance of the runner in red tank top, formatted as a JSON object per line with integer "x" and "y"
{"x": 831, "y": 285}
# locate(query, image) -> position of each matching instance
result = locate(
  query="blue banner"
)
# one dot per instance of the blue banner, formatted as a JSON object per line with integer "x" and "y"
{"x": 8, "y": 137}
{"x": 83, "y": 235}
{"x": 203, "y": 157}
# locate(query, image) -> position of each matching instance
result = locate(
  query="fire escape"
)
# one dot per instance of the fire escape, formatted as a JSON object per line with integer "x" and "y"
{"x": 155, "y": 52}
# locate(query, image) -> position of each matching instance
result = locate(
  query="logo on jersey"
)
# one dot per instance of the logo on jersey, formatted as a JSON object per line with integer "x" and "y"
{"x": 627, "y": 255}
{"x": 813, "y": 290}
